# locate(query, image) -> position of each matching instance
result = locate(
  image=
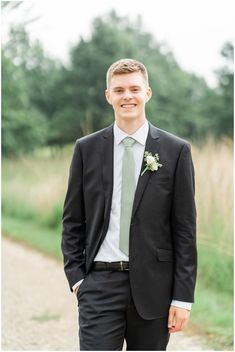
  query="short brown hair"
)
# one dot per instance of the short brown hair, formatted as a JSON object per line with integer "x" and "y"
{"x": 126, "y": 66}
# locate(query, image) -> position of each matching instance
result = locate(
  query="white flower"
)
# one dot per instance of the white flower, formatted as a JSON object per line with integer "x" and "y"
{"x": 150, "y": 159}
{"x": 152, "y": 163}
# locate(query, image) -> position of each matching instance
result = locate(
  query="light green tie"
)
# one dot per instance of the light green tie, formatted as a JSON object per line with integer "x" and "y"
{"x": 127, "y": 194}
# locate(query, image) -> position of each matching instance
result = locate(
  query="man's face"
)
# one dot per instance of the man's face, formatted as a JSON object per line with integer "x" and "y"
{"x": 128, "y": 94}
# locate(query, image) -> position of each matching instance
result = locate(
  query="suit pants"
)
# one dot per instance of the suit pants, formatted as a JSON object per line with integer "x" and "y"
{"x": 107, "y": 316}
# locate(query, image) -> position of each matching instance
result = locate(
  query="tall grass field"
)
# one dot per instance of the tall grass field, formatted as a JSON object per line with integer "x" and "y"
{"x": 33, "y": 191}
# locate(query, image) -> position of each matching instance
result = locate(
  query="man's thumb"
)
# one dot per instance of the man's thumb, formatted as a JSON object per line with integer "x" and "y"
{"x": 170, "y": 317}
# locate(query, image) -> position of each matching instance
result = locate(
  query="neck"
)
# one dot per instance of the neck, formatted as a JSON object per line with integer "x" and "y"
{"x": 130, "y": 127}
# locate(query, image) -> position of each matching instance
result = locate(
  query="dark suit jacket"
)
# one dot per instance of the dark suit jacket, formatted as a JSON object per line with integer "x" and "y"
{"x": 162, "y": 248}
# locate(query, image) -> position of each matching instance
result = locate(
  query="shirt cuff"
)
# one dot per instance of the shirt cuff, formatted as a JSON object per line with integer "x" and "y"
{"x": 77, "y": 284}
{"x": 181, "y": 304}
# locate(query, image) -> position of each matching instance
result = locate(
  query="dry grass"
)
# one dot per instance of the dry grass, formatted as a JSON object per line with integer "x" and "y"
{"x": 33, "y": 194}
{"x": 39, "y": 183}
{"x": 214, "y": 194}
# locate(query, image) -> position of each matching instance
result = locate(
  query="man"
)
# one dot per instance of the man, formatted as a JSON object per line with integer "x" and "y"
{"x": 129, "y": 224}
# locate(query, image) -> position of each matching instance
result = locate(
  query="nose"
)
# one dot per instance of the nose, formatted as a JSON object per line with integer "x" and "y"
{"x": 127, "y": 94}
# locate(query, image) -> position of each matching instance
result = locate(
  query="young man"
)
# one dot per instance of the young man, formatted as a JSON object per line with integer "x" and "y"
{"x": 129, "y": 224}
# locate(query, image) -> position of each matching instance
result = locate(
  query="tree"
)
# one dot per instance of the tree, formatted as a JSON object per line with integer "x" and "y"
{"x": 68, "y": 101}
{"x": 23, "y": 127}
{"x": 224, "y": 120}
{"x": 39, "y": 75}
{"x": 177, "y": 102}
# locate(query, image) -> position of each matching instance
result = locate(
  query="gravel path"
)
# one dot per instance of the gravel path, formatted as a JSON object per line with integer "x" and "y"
{"x": 38, "y": 310}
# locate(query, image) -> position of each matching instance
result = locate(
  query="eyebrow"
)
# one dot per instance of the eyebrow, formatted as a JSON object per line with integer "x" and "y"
{"x": 135, "y": 86}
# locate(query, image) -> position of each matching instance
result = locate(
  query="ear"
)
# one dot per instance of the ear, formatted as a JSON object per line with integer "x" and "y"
{"x": 107, "y": 95}
{"x": 148, "y": 94}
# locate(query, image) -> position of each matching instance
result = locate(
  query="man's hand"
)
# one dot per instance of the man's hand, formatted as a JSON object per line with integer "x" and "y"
{"x": 177, "y": 319}
{"x": 76, "y": 290}
{"x": 76, "y": 287}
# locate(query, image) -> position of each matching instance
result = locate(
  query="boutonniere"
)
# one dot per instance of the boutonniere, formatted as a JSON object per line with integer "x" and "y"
{"x": 152, "y": 163}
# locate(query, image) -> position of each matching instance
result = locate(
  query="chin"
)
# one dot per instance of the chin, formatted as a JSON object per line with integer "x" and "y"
{"x": 130, "y": 117}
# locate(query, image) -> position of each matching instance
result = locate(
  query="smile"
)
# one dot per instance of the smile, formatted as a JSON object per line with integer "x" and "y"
{"x": 128, "y": 106}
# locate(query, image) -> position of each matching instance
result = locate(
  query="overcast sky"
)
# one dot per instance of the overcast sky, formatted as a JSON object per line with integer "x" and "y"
{"x": 195, "y": 30}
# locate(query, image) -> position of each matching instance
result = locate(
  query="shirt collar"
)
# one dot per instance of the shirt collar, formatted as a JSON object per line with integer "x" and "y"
{"x": 140, "y": 135}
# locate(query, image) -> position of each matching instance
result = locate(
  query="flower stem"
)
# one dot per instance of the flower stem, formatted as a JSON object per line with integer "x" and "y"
{"x": 144, "y": 171}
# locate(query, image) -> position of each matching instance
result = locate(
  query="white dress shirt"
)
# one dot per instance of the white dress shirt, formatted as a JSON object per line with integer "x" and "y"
{"x": 109, "y": 250}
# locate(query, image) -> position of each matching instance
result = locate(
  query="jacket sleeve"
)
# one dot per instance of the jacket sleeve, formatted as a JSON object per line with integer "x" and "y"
{"x": 74, "y": 222}
{"x": 184, "y": 228}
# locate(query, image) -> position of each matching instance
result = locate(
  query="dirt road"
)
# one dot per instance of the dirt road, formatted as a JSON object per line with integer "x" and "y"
{"x": 38, "y": 310}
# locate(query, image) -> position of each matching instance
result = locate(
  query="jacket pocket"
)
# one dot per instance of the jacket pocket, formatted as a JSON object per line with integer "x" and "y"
{"x": 164, "y": 255}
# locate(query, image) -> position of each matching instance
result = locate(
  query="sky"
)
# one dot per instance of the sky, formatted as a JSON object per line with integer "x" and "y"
{"x": 194, "y": 30}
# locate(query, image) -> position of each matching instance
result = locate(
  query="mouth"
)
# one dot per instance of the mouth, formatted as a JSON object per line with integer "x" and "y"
{"x": 128, "y": 106}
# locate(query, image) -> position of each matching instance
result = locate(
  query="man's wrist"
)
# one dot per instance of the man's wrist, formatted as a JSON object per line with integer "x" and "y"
{"x": 181, "y": 304}
{"x": 75, "y": 287}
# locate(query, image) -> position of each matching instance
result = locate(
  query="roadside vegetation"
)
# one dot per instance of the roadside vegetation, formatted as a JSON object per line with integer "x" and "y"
{"x": 33, "y": 193}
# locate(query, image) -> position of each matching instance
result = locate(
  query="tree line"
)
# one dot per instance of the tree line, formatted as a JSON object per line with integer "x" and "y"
{"x": 48, "y": 103}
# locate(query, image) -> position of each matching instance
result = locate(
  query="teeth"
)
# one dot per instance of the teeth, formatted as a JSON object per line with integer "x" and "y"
{"x": 128, "y": 105}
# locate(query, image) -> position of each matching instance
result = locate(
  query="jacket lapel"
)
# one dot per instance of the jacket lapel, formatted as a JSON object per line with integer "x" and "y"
{"x": 153, "y": 146}
{"x": 106, "y": 159}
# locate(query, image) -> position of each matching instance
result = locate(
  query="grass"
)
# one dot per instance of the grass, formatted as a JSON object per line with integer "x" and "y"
{"x": 35, "y": 236}
{"x": 215, "y": 269}
{"x": 33, "y": 190}
{"x": 44, "y": 317}
{"x": 214, "y": 195}
{"x": 212, "y": 317}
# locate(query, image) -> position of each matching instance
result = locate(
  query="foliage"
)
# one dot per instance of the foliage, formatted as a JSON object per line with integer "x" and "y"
{"x": 224, "y": 120}
{"x": 33, "y": 190}
{"x": 178, "y": 97}
{"x": 23, "y": 127}
{"x": 51, "y": 104}
{"x": 10, "y": 4}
